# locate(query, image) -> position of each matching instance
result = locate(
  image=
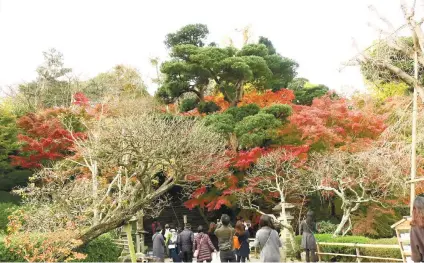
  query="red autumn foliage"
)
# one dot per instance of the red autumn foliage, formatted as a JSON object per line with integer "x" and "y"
{"x": 44, "y": 139}
{"x": 336, "y": 123}
{"x": 220, "y": 101}
{"x": 267, "y": 98}
{"x": 81, "y": 99}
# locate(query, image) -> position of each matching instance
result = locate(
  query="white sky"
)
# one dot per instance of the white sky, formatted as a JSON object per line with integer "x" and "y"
{"x": 95, "y": 35}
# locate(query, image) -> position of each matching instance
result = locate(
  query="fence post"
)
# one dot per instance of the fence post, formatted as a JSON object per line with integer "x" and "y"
{"x": 319, "y": 253}
{"x": 358, "y": 259}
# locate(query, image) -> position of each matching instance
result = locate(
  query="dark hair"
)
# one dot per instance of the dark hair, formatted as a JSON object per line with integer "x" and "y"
{"x": 200, "y": 229}
{"x": 159, "y": 229}
{"x": 418, "y": 212}
{"x": 239, "y": 227}
{"x": 212, "y": 227}
{"x": 225, "y": 219}
{"x": 266, "y": 220}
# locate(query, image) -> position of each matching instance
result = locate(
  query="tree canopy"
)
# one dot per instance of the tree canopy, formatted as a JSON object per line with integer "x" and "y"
{"x": 193, "y": 66}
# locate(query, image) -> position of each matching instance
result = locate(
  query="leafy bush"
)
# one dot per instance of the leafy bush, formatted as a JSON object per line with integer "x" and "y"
{"x": 222, "y": 123}
{"x": 377, "y": 252}
{"x": 5, "y": 210}
{"x": 257, "y": 130}
{"x": 306, "y": 96}
{"x": 208, "y": 107}
{"x": 239, "y": 113}
{"x": 14, "y": 178}
{"x": 6, "y": 255}
{"x": 7, "y": 197}
{"x": 326, "y": 227}
{"x": 280, "y": 111}
{"x": 188, "y": 104}
{"x": 102, "y": 249}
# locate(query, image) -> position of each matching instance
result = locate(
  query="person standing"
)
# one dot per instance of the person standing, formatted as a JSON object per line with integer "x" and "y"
{"x": 267, "y": 240}
{"x": 417, "y": 230}
{"x": 225, "y": 233}
{"x": 158, "y": 245}
{"x": 243, "y": 238}
{"x": 309, "y": 244}
{"x": 172, "y": 245}
{"x": 203, "y": 246}
{"x": 212, "y": 236}
{"x": 155, "y": 225}
{"x": 185, "y": 244}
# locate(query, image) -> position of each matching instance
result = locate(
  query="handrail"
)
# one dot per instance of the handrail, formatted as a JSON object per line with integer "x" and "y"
{"x": 357, "y": 246}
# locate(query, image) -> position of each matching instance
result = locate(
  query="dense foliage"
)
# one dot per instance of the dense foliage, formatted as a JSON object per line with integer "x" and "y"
{"x": 97, "y": 152}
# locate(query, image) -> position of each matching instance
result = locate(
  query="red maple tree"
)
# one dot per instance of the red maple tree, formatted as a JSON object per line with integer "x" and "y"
{"x": 336, "y": 123}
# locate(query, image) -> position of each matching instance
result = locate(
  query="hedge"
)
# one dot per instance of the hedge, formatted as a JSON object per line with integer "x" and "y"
{"x": 102, "y": 249}
{"x": 377, "y": 252}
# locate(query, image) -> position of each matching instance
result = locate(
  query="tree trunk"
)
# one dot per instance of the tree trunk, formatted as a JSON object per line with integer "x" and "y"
{"x": 238, "y": 94}
{"x": 102, "y": 228}
{"x": 345, "y": 219}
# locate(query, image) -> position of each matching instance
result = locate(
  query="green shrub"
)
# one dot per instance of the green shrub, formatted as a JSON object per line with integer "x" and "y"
{"x": 208, "y": 107}
{"x": 5, "y": 210}
{"x": 257, "y": 130}
{"x": 222, "y": 123}
{"x": 7, "y": 197}
{"x": 13, "y": 179}
{"x": 239, "y": 113}
{"x": 280, "y": 111}
{"x": 188, "y": 104}
{"x": 376, "y": 252}
{"x": 326, "y": 227}
{"x": 102, "y": 249}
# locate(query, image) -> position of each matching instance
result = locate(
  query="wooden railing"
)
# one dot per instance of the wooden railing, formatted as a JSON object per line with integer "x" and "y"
{"x": 358, "y": 256}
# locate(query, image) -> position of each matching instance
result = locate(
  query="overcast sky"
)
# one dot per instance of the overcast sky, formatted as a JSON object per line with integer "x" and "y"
{"x": 95, "y": 35}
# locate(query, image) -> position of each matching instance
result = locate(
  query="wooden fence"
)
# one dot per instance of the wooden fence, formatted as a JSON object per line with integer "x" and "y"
{"x": 358, "y": 256}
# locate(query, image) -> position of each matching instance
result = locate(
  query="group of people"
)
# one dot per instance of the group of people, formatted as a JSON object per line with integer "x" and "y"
{"x": 232, "y": 243}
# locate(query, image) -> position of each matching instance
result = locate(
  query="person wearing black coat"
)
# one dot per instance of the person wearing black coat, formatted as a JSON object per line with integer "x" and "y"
{"x": 212, "y": 236}
{"x": 243, "y": 237}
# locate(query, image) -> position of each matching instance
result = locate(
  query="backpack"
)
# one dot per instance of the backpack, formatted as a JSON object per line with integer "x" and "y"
{"x": 236, "y": 243}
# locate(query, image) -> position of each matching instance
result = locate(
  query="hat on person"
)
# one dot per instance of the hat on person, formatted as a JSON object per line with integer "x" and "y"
{"x": 166, "y": 226}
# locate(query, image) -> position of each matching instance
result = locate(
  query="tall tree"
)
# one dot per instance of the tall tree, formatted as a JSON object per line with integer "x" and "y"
{"x": 121, "y": 81}
{"x": 193, "y": 34}
{"x": 8, "y": 136}
{"x": 392, "y": 58}
{"x": 193, "y": 67}
{"x": 53, "y": 86}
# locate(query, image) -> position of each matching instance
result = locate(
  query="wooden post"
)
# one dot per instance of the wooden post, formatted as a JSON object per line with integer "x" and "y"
{"x": 140, "y": 236}
{"x": 358, "y": 259}
{"x": 319, "y": 253}
{"x": 414, "y": 134}
{"x": 127, "y": 229}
